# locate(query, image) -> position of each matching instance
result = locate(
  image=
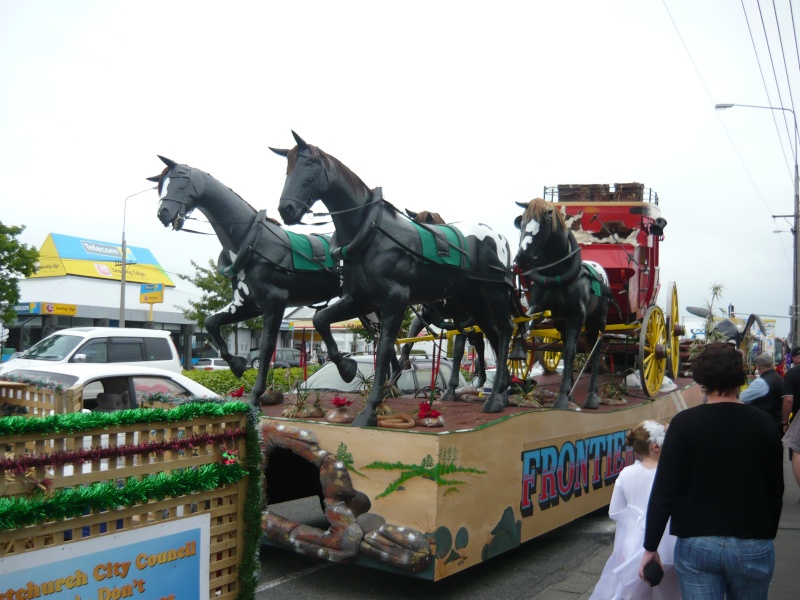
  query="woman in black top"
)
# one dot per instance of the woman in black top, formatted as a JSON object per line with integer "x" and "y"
{"x": 720, "y": 479}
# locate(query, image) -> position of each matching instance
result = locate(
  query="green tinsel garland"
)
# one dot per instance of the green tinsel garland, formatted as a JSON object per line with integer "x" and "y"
{"x": 18, "y": 511}
{"x": 254, "y": 507}
{"x": 75, "y": 422}
{"x": 68, "y": 503}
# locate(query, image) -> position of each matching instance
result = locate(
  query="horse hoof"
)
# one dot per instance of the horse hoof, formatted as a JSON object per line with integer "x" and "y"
{"x": 238, "y": 365}
{"x": 366, "y": 419}
{"x": 348, "y": 369}
{"x": 448, "y": 396}
{"x": 592, "y": 402}
{"x": 561, "y": 403}
{"x": 493, "y": 405}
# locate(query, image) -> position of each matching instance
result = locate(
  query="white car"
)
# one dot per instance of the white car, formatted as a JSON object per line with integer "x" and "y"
{"x": 411, "y": 381}
{"x": 211, "y": 364}
{"x": 108, "y": 387}
{"x": 100, "y": 345}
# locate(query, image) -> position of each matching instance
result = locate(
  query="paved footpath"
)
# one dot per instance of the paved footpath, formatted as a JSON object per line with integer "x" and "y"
{"x": 578, "y": 584}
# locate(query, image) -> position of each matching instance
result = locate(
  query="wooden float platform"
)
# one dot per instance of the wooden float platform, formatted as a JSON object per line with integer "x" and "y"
{"x": 442, "y": 499}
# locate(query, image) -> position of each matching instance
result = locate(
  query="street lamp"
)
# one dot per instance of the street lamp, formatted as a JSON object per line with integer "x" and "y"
{"x": 793, "y": 310}
{"x": 125, "y": 259}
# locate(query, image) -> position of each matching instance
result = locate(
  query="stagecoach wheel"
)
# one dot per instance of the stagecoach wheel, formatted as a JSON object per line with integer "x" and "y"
{"x": 549, "y": 359}
{"x": 653, "y": 350}
{"x": 674, "y": 332}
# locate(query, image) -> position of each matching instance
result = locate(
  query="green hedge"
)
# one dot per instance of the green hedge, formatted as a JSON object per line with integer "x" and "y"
{"x": 224, "y": 381}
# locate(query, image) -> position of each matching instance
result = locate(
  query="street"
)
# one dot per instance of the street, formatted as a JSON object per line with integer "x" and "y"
{"x": 520, "y": 573}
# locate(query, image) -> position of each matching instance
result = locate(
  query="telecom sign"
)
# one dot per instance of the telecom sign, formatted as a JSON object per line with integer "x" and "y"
{"x": 151, "y": 293}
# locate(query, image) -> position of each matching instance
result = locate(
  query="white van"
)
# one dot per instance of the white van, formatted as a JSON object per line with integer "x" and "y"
{"x": 140, "y": 347}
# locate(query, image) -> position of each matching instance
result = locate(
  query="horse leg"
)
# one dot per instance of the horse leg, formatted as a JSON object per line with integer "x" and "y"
{"x": 391, "y": 319}
{"x": 345, "y": 308}
{"x": 592, "y": 399}
{"x": 480, "y": 353}
{"x": 571, "y": 333}
{"x": 494, "y": 319}
{"x": 229, "y": 315}
{"x": 272, "y": 316}
{"x": 595, "y": 326}
{"x": 458, "y": 354}
{"x": 413, "y": 330}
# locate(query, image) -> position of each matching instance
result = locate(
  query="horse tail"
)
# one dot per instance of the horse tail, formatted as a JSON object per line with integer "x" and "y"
{"x": 607, "y": 293}
{"x": 516, "y": 306}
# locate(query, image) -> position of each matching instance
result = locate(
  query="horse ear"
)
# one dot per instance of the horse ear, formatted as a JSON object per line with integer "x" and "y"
{"x": 411, "y": 214}
{"x": 166, "y": 161}
{"x": 518, "y": 222}
{"x": 280, "y": 152}
{"x": 522, "y": 204}
{"x": 154, "y": 178}
{"x": 300, "y": 143}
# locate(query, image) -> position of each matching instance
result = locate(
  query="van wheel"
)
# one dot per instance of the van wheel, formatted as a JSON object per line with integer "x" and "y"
{"x": 256, "y": 363}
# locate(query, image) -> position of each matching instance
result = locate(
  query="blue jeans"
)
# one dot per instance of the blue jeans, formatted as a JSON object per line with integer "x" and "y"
{"x": 711, "y": 567}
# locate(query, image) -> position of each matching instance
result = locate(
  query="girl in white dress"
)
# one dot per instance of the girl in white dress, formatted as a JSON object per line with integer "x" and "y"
{"x": 620, "y": 577}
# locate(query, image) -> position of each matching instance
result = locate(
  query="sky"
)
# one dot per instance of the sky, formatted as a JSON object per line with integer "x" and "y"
{"x": 459, "y": 107}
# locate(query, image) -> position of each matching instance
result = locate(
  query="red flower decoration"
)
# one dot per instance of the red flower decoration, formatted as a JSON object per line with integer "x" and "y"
{"x": 340, "y": 402}
{"x": 238, "y": 393}
{"x": 229, "y": 457}
{"x": 425, "y": 411}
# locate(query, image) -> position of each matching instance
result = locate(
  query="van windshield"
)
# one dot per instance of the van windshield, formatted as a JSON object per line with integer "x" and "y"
{"x": 55, "y": 347}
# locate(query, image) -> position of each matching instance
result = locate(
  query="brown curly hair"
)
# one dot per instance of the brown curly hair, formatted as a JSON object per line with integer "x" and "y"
{"x": 719, "y": 368}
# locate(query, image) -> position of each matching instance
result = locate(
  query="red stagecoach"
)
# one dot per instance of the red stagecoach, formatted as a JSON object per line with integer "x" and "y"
{"x": 619, "y": 228}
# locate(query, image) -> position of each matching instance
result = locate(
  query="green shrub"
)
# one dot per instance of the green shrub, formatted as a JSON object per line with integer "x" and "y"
{"x": 224, "y": 381}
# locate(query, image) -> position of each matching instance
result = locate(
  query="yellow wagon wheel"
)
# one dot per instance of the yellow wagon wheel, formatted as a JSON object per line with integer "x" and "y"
{"x": 674, "y": 332}
{"x": 549, "y": 359}
{"x": 653, "y": 350}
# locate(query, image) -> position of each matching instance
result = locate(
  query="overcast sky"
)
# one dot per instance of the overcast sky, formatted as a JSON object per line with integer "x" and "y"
{"x": 458, "y": 107}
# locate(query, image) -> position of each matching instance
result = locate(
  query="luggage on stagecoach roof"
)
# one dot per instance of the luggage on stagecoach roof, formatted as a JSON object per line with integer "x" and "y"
{"x": 601, "y": 192}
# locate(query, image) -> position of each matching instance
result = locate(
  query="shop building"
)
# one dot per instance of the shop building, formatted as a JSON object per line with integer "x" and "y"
{"x": 79, "y": 283}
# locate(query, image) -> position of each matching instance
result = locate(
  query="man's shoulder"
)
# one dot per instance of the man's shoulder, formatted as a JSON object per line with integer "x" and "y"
{"x": 792, "y": 377}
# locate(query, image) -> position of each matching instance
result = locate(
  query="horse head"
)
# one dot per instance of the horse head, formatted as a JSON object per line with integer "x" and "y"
{"x": 426, "y": 217}
{"x": 535, "y": 225}
{"x": 306, "y": 180}
{"x": 178, "y": 190}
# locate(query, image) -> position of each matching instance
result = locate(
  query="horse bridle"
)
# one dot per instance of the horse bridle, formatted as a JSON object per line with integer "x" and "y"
{"x": 549, "y": 230}
{"x": 185, "y": 209}
{"x": 318, "y": 190}
{"x": 306, "y": 206}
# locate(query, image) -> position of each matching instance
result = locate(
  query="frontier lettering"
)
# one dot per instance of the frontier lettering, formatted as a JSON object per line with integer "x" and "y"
{"x": 551, "y": 474}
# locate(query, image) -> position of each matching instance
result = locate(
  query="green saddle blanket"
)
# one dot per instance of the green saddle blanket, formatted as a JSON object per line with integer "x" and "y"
{"x": 310, "y": 253}
{"x": 597, "y": 281}
{"x": 446, "y": 247}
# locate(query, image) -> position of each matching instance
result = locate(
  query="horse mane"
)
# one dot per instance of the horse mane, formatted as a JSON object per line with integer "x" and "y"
{"x": 538, "y": 208}
{"x": 429, "y": 218}
{"x": 329, "y": 161}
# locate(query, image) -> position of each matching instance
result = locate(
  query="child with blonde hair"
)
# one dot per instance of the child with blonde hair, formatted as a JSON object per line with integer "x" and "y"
{"x": 620, "y": 578}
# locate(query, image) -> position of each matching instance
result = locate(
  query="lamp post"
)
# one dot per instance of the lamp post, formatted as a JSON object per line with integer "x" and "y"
{"x": 125, "y": 259}
{"x": 795, "y": 307}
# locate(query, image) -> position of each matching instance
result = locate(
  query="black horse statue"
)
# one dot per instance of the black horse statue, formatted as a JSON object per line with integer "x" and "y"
{"x": 269, "y": 268}
{"x": 440, "y": 314}
{"x": 389, "y": 263}
{"x": 550, "y": 257}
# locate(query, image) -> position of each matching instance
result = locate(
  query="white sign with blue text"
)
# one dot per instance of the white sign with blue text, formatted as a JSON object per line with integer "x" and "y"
{"x": 167, "y": 560}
